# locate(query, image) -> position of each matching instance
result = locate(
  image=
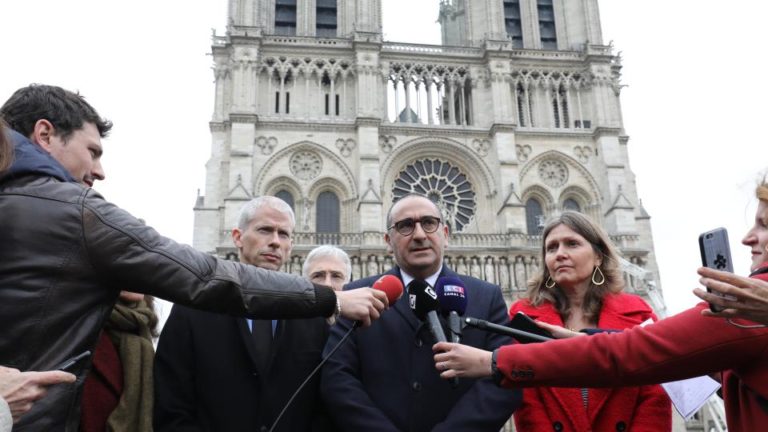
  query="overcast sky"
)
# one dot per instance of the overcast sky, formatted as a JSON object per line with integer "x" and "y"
{"x": 693, "y": 105}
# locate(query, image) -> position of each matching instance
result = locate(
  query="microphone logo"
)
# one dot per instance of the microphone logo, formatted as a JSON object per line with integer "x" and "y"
{"x": 453, "y": 291}
{"x": 412, "y": 301}
{"x": 430, "y": 292}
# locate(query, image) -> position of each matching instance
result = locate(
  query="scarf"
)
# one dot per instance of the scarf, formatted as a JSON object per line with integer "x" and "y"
{"x": 130, "y": 328}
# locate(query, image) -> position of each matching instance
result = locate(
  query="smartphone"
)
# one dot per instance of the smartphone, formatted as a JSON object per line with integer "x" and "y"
{"x": 68, "y": 364}
{"x": 716, "y": 253}
{"x": 523, "y": 322}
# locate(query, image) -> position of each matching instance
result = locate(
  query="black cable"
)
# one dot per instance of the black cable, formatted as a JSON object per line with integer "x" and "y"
{"x": 311, "y": 374}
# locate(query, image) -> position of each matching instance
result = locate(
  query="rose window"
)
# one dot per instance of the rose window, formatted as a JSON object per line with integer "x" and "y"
{"x": 442, "y": 183}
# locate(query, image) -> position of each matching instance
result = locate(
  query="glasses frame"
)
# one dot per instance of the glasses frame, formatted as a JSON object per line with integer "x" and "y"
{"x": 419, "y": 221}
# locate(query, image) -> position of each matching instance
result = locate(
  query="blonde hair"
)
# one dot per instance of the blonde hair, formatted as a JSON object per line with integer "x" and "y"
{"x": 761, "y": 192}
{"x": 538, "y": 292}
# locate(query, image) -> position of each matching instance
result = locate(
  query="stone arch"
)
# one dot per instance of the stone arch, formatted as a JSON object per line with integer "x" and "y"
{"x": 284, "y": 182}
{"x": 453, "y": 152}
{"x": 266, "y": 172}
{"x": 589, "y": 187}
{"x": 578, "y": 194}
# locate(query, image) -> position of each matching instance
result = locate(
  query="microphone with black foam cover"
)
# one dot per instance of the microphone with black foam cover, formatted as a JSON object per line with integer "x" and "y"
{"x": 452, "y": 296}
{"x": 423, "y": 301}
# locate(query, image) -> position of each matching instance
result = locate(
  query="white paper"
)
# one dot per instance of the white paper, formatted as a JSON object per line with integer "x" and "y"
{"x": 689, "y": 395}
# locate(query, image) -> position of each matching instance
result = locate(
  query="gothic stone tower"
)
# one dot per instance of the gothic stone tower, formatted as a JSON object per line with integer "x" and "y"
{"x": 513, "y": 119}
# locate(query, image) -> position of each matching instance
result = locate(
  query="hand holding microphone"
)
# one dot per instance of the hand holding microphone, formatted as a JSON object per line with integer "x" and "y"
{"x": 452, "y": 296}
{"x": 364, "y": 305}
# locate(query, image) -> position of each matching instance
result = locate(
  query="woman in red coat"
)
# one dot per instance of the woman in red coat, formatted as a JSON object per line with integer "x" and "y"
{"x": 686, "y": 345}
{"x": 578, "y": 288}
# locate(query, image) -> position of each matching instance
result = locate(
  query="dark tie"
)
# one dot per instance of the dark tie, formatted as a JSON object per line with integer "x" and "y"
{"x": 262, "y": 340}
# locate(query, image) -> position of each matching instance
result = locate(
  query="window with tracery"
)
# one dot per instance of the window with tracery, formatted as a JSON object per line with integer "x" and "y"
{"x": 534, "y": 216}
{"x": 328, "y": 218}
{"x": 287, "y": 197}
{"x": 571, "y": 204}
{"x": 442, "y": 183}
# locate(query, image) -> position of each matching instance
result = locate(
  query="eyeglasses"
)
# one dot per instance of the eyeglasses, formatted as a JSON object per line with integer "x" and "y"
{"x": 406, "y": 226}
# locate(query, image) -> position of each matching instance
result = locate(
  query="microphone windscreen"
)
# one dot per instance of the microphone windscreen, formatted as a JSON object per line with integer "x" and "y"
{"x": 392, "y": 287}
{"x": 422, "y": 298}
{"x": 452, "y": 295}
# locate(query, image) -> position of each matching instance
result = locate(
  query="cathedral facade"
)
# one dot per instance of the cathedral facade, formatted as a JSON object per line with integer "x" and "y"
{"x": 514, "y": 118}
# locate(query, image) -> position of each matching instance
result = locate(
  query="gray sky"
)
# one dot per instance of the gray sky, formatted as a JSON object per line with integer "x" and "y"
{"x": 693, "y": 106}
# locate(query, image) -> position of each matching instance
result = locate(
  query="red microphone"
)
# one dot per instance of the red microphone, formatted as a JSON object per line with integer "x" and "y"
{"x": 392, "y": 287}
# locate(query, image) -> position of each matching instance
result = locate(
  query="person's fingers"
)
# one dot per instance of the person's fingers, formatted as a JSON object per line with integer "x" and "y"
{"x": 47, "y": 378}
{"x": 380, "y": 298}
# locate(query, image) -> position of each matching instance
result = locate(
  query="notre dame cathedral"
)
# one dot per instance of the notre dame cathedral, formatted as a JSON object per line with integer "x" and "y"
{"x": 512, "y": 119}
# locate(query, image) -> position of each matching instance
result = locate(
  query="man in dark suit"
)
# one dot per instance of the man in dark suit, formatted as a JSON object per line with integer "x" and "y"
{"x": 220, "y": 373}
{"x": 384, "y": 378}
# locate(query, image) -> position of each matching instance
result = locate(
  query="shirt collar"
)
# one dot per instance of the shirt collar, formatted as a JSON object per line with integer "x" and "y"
{"x": 430, "y": 280}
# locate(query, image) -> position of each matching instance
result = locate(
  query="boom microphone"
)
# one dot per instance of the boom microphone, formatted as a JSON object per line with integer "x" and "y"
{"x": 423, "y": 301}
{"x": 393, "y": 288}
{"x": 500, "y": 329}
{"x": 452, "y": 296}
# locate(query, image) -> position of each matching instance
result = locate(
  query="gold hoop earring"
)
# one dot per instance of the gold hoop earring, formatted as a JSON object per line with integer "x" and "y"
{"x": 547, "y": 283}
{"x": 595, "y": 273}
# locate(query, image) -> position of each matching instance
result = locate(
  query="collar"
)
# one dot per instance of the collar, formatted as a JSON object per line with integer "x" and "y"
{"x": 430, "y": 280}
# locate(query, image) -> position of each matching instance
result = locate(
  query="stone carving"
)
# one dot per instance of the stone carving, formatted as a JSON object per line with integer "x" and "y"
{"x": 553, "y": 172}
{"x": 582, "y": 153}
{"x": 387, "y": 143}
{"x": 345, "y": 146}
{"x": 306, "y": 164}
{"x": 266, "y": 144}
{"x": 482, "y": 146}
{"x": 444, "y": 184}
{"x": 523, "y": 152}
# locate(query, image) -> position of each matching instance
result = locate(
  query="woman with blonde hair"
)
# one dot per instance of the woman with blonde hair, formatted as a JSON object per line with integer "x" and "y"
{"x": 579, "y": 289}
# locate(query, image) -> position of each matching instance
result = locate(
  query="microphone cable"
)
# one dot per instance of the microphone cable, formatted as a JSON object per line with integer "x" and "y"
{"x": 311, "y": 374}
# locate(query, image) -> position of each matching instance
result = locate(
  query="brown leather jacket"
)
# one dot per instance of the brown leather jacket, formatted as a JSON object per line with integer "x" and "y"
{"x": 65, "y": 254}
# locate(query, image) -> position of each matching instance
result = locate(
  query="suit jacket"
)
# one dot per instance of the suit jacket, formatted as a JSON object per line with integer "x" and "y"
{"x": 207, "y": 376}
{"x": 383, "y": 378}
{"x": 635, "y": 409}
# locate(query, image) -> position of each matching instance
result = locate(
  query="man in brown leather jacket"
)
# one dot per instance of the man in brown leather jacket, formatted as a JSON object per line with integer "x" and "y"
{"x": 66, "y": 253}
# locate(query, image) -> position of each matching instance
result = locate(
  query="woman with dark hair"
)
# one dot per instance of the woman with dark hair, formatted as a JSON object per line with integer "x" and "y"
{"x": 579, "y": 288}
{"x": 685, "y": 345}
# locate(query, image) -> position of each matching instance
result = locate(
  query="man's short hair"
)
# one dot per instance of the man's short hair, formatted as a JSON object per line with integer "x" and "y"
{"x": 67, "y": 111}
{"x": 327, "y": 251}
{"x": 247, "y": 211}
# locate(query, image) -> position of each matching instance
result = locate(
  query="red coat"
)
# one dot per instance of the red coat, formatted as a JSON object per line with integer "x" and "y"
{"x": 636, "y": 409}
{"x": 682, "y": 346}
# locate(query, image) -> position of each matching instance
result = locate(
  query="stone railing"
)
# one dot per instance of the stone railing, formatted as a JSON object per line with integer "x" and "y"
{"x": 437, "y": 50}
{"x": 508, "y": 260}
{"x": 307, "y": 41}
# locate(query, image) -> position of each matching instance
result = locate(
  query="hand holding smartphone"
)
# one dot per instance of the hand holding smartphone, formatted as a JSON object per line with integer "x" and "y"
{"x": 523, "y": 322}
{"x": 716, "y": 254}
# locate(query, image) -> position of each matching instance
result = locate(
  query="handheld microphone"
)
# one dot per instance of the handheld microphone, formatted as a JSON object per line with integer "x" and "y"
{"x": 393, "y": 288}
{"x": 423, "y": 301}
{"x": 500, "y": 329}
{"x": 452, "y": 296}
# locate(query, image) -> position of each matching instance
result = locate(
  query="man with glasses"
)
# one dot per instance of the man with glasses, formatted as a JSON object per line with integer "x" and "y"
{"x": 383, "y": 378}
